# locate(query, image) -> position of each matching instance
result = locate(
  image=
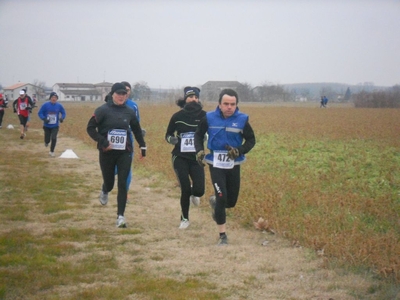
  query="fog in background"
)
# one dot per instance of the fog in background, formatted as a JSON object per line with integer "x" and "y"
{"x": 170, "y": 44}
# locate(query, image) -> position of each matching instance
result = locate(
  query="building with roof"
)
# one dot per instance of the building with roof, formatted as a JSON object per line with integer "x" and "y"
{"x": 211, "y": 89}
{"x": 35, "y": 92}
{"x": 82, "y": 91}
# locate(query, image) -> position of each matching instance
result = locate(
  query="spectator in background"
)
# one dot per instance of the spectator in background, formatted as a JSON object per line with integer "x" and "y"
{"x": 325, "y": 101}
{"x": 227, "y": 128}
{"x": 52, "y": 114}
{"x": 322, "y": 102}
{"x": 3, "y": 105}
{"x": 190, "y": 175}
{"x": 23, "y": 107}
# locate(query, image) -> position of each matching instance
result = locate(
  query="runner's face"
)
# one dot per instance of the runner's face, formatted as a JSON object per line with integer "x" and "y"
{"x": 119, "y": 98}
{"x": 228, "y": 105}
{"x": 128, "y": 92}
{"x": 192, "y": 98}
{"x": 53, "y": 99}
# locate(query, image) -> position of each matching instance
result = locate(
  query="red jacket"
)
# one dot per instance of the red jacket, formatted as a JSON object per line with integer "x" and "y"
{"x": 21, "y": 106}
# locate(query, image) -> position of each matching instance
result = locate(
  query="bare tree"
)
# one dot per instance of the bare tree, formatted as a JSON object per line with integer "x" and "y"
{"x": 38, "y": 90}
{"x": 141, "y": 91}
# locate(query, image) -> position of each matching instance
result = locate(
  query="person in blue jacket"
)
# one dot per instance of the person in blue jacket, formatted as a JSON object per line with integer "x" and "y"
{"x": 52, "y": 114}
{"x": 230, "y": 137}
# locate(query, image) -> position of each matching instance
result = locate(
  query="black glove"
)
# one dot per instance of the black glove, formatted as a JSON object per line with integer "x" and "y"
{"x": 143, "y": 151}
{"x": 15, "y": 111}
{"x": 199, "y": 157}
{"x": 143, "y": 132}
{"x": 173, "y": 140}
{"x": 233, "y": 153}
{"x": 61, "y": 120}
{"x": 47, "y": 120}
{"x": 29, "y": 109}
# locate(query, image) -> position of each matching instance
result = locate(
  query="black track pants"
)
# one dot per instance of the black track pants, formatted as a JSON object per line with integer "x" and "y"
{"x": 191, "y": 179}
{"x": 50, "y": 134}
{"x": 226, "y": 183}
{"x": 108, "y": 161}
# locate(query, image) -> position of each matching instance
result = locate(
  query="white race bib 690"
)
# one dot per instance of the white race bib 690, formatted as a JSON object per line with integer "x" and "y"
{"x": 117, "y": 139}
{"x": 187, "y": 142}
{"x": 222, "y": 161}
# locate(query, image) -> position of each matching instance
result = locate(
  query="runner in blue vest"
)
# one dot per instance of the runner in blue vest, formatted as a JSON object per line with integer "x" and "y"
{"x": 227, "y": 128}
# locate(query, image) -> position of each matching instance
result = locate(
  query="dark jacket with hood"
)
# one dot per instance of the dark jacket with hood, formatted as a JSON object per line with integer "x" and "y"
{"x": 184, "y": 121}
{"x": 111, "y": 116}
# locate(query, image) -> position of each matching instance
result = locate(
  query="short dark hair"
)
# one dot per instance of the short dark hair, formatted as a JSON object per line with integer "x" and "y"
{"x": 228, "y": 92}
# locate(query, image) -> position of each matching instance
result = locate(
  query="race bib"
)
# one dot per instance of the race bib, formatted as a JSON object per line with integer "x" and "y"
{"x": 222, "y": 161}
{"x": 52, "y": 118}
{"x": 187, "y": 142}
{"x": 117, "y": 139}
{"x": 22, "y": 106}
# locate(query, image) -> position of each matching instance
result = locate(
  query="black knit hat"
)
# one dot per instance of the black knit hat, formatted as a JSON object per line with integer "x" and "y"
{"x": 53, "y": 94}
{"x": 191, "y": 90}
{"x": 118, "y": 88}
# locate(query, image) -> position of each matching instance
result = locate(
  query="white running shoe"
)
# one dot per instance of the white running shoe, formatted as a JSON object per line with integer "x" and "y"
{"x": 195, "y": 200}
{"x": 103, "y": 198}
{"x": 51, "y": 154}
{"x": 121, "y": 222}
{"x": 184, "y": 224}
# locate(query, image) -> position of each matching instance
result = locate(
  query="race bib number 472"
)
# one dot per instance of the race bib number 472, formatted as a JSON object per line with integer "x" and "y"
{"x": 222, "y": 161}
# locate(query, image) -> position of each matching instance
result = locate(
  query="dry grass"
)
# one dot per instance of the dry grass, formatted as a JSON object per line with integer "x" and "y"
{"x": 326, "y": 179}
{"x": 329, "y": 178}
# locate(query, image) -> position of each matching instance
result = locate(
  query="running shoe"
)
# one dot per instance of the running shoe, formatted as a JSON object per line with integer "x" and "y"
{"x": 51, "y": 154}
{"x": 195, "y": 200}
{"x": 213, "y": 203}
{"x": 223, "y": 240}
{"x": 184, "y": 224}
{"x": 121, "y": 222}
{"x": 103, "y": 198}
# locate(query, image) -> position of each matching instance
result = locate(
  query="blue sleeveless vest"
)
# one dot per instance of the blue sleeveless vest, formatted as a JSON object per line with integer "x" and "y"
{"x": 223, "y": 132}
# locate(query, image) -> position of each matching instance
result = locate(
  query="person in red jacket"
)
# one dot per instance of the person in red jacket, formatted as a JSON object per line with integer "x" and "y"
{"x": 3, "y": 105}
{"x": 23, "y": 107}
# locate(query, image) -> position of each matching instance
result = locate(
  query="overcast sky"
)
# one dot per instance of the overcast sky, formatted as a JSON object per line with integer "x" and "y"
{"x": 171, "y": 44}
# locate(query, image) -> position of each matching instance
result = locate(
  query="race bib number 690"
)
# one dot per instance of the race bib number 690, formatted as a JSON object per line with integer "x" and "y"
{"x": 117, "y": 139}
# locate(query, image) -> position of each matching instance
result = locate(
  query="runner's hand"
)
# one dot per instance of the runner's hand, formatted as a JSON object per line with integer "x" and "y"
{"x": 233, "y": 153}
{"x": 173, "y": 140}
{"x": 143, "y": 151}
{"x": 199, "y": 157}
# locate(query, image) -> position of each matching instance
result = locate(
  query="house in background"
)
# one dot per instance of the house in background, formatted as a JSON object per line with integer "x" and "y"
{"x": 82, "y": 91}
{"x": 211, "y": 89}
{"x": 35, "y": 92}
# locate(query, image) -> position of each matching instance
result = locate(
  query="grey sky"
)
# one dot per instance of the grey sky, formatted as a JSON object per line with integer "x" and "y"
{"x": 171, "y": 44}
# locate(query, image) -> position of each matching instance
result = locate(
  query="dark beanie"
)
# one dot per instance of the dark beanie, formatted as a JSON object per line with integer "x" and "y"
{"x": 189, "y": 90}
{"x": 118, "y": 88}
{"x": 53, "y": 94}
